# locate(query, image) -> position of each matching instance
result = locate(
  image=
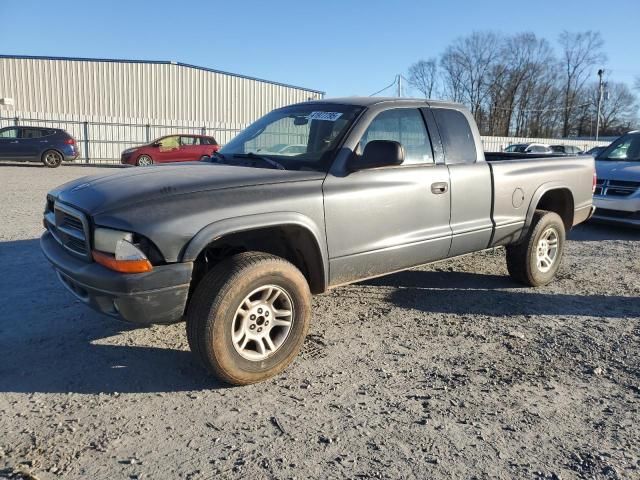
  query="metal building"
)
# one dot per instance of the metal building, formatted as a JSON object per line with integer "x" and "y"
{"x": 111, "y": 104}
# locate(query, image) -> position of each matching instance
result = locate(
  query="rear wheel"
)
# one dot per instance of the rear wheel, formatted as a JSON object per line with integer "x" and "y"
{"x": 248, "y": 317}
{"x": 52, "y": 159}
{"x": 536, "y": 260}
{"x": 144, "y": 161}
{"x": 204, "y": 157}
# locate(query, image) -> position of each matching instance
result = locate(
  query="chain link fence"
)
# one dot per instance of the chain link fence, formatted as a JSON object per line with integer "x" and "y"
{"x": 102, "y": 142}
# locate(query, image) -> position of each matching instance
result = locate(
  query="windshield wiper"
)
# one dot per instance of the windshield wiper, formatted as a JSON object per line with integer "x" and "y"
{"x": 266, "y": 160}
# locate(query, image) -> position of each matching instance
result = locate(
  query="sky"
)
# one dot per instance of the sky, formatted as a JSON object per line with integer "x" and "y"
{"x": 339, "y": 47}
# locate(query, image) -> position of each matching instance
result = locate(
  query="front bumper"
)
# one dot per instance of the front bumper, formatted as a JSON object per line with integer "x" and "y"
{"x": 618, "y": 210}
{"x": 159, "y": 296}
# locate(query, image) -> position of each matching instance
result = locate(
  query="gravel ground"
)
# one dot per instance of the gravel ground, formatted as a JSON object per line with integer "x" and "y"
{"x": 447, "y": 371}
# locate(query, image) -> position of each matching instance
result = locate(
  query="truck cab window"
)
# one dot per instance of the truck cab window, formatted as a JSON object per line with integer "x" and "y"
{"x": 457, "y": 138}
{"x": 405, "y": 126}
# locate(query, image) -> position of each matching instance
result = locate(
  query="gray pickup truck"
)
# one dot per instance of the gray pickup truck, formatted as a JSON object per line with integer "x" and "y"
{"x": 309, "y": 197}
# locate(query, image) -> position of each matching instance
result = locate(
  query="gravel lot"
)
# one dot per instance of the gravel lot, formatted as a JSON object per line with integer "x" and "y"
{"x": 447, "y": 371}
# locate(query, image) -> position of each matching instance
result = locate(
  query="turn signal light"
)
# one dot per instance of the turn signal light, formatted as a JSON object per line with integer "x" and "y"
{"x": 127, "y": 258}
{"x": 123, "y": 266}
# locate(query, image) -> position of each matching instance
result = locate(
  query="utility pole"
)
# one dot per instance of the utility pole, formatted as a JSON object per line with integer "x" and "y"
{"x": 600, "y": 95}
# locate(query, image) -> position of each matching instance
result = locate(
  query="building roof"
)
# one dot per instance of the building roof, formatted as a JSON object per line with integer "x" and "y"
{"x": 157, "y": 62}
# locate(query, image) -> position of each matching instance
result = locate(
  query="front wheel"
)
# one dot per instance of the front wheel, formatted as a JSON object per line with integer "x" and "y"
{"x": 535, "y": 261}
{"x": 248, "y": 317}
{"x": 144, "y": 161}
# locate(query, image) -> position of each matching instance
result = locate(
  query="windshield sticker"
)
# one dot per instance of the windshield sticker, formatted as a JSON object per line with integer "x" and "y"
{"x": 326, "y": 116}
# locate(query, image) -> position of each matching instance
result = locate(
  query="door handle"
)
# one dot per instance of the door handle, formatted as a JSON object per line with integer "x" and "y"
{"x": 439, "y": 187}
{"x": 15, "y": 141}
{"x": 44, "y": 141}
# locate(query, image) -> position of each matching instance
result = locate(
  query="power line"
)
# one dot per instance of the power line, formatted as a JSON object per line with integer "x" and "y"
{"x": 395, "y": 80}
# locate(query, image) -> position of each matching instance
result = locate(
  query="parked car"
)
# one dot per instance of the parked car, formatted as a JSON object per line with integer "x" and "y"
{"x": 617, "y": 195}
{"x": 171, "y": 148}
{"x": 531, "y": 148}
{"x": 595, "y": 151}
{"x": 237, "y": 244}
{"x": 566, "y": 149}
{"x": 51, "y": 146}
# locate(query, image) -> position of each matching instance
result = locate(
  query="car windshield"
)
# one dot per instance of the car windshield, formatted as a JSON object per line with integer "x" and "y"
{"x": 625, "y": 148}
{"x": 296, "y": 137}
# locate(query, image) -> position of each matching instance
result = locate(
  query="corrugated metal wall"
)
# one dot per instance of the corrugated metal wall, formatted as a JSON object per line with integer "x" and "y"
{"x": 139, "y": 92}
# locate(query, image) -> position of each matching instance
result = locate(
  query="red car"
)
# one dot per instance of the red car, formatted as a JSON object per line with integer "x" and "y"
{"x": 172, "y": 148}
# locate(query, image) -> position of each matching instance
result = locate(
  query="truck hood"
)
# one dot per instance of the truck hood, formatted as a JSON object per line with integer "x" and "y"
{"x": 101, "y": 193}
{"x": 611, "y": 170}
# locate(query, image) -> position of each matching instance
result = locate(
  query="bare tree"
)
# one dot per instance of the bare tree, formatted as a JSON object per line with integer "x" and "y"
{"x": 469, "y": 69}
{"x": 619, "y": 107}
{"x": 525, "y": 59}
{"x": 581, "y": 52}
{"x": 516, "y": 85}
{"x": 423, "y": 76}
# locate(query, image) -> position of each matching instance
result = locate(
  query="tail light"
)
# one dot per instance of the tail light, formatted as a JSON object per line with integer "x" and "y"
{"x": 70, "y": 141}
{"x": 216, "y": 148}
{"x": 595, "y": 181}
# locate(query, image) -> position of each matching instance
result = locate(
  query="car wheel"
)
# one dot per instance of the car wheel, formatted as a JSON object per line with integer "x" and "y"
{"x": 248, "y": 317}
{"x": 204, "y": 157}
{"x": 52, "y": 159}
{"x": 144, "y": 161}
{"x": 535, "y": 260}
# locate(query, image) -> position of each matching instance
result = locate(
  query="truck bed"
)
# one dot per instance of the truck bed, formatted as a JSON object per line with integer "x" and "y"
{"x": 499, "y": 156}
{"x": 520, "y": 180}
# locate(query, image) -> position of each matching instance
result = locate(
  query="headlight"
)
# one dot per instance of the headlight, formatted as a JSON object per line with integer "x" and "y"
{"x": 129, "y": 150}
{"x": 106, "y": 239}
{"x": 115, "y": 250}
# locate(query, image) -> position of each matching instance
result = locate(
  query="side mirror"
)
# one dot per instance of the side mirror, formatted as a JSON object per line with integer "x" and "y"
{"x": 378, "y": 153}
{"x": 155, "y": 144}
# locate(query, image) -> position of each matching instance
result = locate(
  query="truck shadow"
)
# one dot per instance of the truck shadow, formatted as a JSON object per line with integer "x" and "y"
{"x": 466, "y": 293}
{"x": 51, "y": 342}
{"x": 596, "y": 232}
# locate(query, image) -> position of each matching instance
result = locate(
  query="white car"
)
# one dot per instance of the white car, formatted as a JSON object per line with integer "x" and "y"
{"x": 533, "y": 148}
{"x": 617, "y": 195}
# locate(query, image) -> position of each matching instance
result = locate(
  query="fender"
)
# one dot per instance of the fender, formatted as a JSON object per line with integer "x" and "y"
{"x": 535, "y": 200}
{"x": 245, "y": 223}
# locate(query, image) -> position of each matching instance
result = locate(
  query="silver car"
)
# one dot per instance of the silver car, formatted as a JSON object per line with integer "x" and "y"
{"x": 617, "y": 194}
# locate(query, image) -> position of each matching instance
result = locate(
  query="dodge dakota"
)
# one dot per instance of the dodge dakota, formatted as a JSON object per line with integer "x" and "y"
{"x": 236, "y": 245}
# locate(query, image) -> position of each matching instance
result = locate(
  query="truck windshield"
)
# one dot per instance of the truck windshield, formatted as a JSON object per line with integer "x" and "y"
{"x": 625, "y": 148}
{"x": 297, "y": 137}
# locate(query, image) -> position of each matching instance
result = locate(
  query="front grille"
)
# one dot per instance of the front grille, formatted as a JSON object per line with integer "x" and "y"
{"x": 616, "y": 188}
{"x": 70, "y": 228}
{"x": 605, "y": 212}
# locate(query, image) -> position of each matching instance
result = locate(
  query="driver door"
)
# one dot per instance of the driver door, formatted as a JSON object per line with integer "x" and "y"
{"x": 390, "y": 218}
{"x": 168, "y": 149}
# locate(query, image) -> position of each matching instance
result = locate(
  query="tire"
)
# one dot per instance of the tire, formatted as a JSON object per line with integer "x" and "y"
{"x": 526, "y": 261}
{"x": 144, "y": 161}
{"x": 52, "y": 159}
{"x": 217, "y": 328}
{"x": 204, "y": 157}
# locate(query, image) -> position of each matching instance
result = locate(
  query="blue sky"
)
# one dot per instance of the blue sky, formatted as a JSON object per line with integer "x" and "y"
{"x": 341, "y": 47}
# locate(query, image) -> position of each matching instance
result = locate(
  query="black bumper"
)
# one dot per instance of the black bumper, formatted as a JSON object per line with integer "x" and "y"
{"x": 159, "y": 296}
